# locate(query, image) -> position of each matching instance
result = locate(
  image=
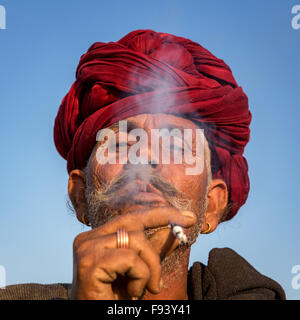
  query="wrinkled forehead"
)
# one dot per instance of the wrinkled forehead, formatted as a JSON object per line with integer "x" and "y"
{"x": 154, "y": 123}
{"x": 158, "y": 121}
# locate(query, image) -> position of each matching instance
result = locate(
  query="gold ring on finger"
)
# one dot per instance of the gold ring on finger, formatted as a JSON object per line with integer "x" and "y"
{"x": 122, "y": 238}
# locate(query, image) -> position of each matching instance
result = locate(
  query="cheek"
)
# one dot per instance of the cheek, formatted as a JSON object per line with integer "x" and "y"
{"x": 106, "y": 172}
{"x": 193, "y": 186}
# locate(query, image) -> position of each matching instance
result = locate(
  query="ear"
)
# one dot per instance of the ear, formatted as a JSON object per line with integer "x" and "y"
{"x": 76, "y": 190}
{"x": 217, "y": 199}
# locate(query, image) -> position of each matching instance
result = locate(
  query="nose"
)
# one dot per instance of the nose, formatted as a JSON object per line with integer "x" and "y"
{"x": 143, "y": 158}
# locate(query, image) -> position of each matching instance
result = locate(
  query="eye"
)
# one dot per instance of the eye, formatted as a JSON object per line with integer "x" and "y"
{"x": 176, "y": 146}
{"x": 121, "y": 145}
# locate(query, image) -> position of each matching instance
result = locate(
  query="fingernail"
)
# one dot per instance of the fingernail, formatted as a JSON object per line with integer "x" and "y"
{"x": 189, "y": 214}
{"x": 143, "y": 293}
{"x": 161, "y": 284}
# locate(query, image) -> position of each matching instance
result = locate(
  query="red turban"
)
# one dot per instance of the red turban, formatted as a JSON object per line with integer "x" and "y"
{"x": 121, "y": 79}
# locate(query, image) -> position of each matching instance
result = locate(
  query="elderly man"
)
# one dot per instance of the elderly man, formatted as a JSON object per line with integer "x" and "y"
{"x": 145, "y": 213}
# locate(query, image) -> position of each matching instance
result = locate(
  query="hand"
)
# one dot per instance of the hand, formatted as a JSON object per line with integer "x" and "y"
{"x": 103, "y": 272}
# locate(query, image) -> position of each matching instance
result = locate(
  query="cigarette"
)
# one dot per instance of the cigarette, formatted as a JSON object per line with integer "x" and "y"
{"x": 178, "y": 233}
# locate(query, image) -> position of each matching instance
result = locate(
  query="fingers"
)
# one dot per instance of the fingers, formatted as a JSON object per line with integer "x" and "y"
{"x": 98, "y": 261}
{"x": 139, "y": 244}
{"x": 142, "y": 220}
{"x": 142, "y": 246}
{"x": 123, "y": 262}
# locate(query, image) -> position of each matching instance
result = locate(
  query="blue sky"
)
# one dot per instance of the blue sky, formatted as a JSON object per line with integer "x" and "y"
{"x": 39, "y": 52}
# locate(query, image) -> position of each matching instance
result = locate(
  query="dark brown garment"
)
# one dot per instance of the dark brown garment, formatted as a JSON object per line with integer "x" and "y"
{"x": 226, "y": 277}
{"x": 230, "y": 277}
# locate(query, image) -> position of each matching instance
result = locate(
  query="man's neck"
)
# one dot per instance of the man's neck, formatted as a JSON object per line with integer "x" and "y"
{"x": 175, "y": 281}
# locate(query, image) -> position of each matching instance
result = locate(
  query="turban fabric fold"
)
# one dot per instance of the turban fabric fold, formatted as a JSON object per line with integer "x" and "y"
{"x": 150, "y": 72}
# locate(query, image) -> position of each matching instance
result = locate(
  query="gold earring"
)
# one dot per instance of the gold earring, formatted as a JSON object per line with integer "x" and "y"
{"x": 209, "y": 227}
{"x": 83, "y": 220}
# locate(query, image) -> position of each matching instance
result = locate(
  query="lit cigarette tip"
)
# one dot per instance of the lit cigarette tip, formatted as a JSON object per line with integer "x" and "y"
{"x": 179, "y": 234}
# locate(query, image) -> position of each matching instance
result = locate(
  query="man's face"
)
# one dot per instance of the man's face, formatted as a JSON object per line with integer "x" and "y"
{"x": 114, "y": 189}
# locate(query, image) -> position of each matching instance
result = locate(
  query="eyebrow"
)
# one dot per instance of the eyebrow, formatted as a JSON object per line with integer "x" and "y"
{"x": 133, "y": 125}
{"x": 171, "y": 127}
